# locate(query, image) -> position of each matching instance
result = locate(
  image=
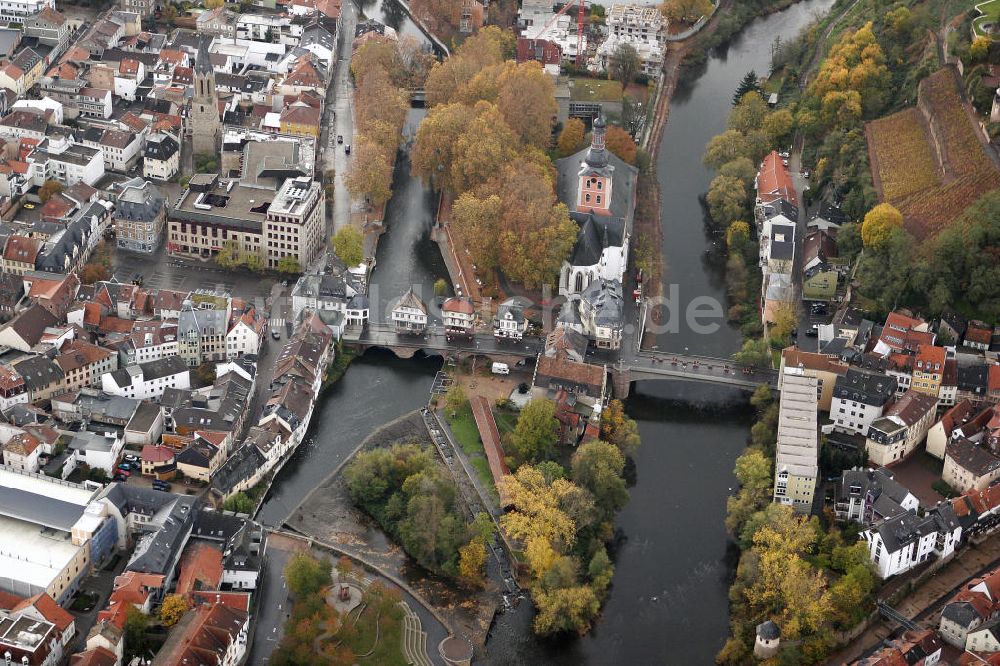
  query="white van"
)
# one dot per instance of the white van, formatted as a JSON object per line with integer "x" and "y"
{"x": 501, "y": 369}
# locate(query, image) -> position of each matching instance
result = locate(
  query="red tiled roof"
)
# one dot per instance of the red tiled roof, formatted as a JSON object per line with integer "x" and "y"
{"x": 201, "y": 568}
{"x": 49, "y": 609}
{"x": 993, "y": 378}
{"x": 99, "y": 656}
{"x": 154, "y": 454}
{"x": 978, "y": 332}
{"x": 773, "y": 181}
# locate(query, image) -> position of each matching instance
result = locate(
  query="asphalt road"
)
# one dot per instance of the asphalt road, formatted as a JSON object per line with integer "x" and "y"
{"x": 162, "y": 271}
{"x": 341, "y": 120}
{"x": 273, "y": 606}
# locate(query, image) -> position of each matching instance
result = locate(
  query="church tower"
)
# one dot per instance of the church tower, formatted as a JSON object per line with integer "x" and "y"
{"x": 205, "y": 121}
{"x": 596, "y": 175}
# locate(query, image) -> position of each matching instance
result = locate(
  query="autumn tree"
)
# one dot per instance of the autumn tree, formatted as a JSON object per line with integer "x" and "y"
{"x": 472, "y": 561}
{"x": 740, "y": 168}
{"x": 477, "y": 222}
{"x": 536, "y": 432}
{"x": 618, "y": 429}
{"x": 489, "y": 46}
{"x": 571, "y": 137}
{"x": 454, "y": 399}
{"x": 725, "y": 147}
{"x": 624, "y": 63}
{"x": 621, "y": 143}
{"x": 778, "y": 126}
{"x": 726, "y": 199}
{"x": 348, "y": 244}
{"x": 785, "y": 321}
{"x": 686, "y": 11}
{"x": 370, "y": 173}
{"x": 433, "y": 152}
{"x": 526, "y": 100}
{"x": 49, "y": 189}
{"x": 737, "y": 236}
{"x": 483, "y": 149}
{"x": 94, "y": 272}
{"x": 377, "y": 53}
{"x": 172, "y": 609}
{"x": 565, "y": 609}
{"x": 980, "y": 48}
{"x": 748, "y": 115}
{"x": 879, "y": 223}
{"x": 753, "y": 471}
{"x": 214, "y": 4}
{"x": 856, "y": 64}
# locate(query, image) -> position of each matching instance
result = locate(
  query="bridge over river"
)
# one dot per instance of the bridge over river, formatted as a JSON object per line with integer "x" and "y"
{"x": 625, "y": 365}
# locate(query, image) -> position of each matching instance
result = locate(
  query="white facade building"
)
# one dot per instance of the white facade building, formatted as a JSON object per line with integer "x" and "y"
{"x": 796, "y": 459}
{"x": 147, "y": 380}
{"x": 859, "y": 398}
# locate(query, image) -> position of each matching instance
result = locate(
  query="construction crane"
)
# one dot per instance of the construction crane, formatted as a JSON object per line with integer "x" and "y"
{"x": 579, "y": 27}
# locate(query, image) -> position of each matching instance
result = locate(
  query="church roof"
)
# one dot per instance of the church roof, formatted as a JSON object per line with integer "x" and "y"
{"x": 597, "y": 232}
{"x": 203, "y": 62}
{"x": 624, "y": 178}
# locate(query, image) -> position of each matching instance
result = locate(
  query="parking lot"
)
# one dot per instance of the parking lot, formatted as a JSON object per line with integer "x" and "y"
{"x": 810, "y": 317}
{"x": 162, "y": 271}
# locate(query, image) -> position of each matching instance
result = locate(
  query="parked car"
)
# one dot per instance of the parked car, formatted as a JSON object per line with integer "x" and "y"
{"x": 125, "y": 467}
{"x": 347, "y": 149}
{"x": 161, "y": 485}
{"x": 276, "y": 334}
{"x": 812, "y": 333}
{"x": 340, "y": 138}
{"x": 123, "y": 472}
{"x": 120, "y": 478}
{"x": 131, "y": 458}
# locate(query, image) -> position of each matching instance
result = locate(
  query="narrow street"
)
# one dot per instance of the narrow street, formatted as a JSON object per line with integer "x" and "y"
{"x": 340, "y": 122}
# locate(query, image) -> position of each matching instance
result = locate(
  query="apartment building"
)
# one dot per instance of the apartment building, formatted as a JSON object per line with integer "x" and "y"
{"x": 796, "y": 459}
{"x": 140, "y": 213}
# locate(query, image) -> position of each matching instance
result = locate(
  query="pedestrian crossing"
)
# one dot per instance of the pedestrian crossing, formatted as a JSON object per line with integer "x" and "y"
{"x": 276, "y": 322}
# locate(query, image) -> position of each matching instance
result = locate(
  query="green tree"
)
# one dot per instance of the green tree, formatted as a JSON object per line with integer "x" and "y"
{"x": 348, "y": 243}
{"x": 239, "y": 503}
{"x": 229, "y": 255}
{"x": 742, "y": 169}
{"x": 307, "y": 575}
{"x": 754, "y": 353}
{"x": 624, "y": 63}
{"x": 778, "y": 126}
{"x": 598, "y": 466}
{"x": 749, "y": 83}
{"x": 725, "y": 147}
{"x": 136, "y": 623}
{"x": 726, "y": 199}
{"x": 289, "y": 265}
{"x": 536, "y": 432}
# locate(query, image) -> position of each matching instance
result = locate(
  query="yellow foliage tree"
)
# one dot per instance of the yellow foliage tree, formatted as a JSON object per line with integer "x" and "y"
{"x": 472, "y": 561}
{"x": 737, "y": 235}
{"x": 980, "y": 48}
{"x": 785, "y": 320}
{"x": 172, "y": 609}
{"x": 621, "y": 143}
{"x": 879, "y": 224}
{"x": 433, "y": 152}
{"x": 571, "y": 137}
{"x": 855, "y": 63}
{"x": 527, "y": 100}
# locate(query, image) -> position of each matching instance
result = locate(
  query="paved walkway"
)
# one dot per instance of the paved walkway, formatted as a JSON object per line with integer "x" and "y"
{"x": 924, "y": 603}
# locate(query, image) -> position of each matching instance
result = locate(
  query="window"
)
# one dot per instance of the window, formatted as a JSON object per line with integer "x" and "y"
{"x": 586, "y": 197}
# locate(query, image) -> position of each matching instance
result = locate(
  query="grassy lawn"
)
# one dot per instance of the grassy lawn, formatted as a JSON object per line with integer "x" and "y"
{"x": 506, "y": 420}
{"x": 595, "y": 90}
{"x": 463, "y": 426}
{"x": 990, "y": 14}
{"x": 390, "y": 637}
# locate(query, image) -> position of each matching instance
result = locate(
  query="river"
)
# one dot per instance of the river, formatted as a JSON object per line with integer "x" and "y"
{"x": 668, "y": 602}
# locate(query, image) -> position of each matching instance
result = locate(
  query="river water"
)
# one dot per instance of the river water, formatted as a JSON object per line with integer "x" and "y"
{"x": 668, "y": 602}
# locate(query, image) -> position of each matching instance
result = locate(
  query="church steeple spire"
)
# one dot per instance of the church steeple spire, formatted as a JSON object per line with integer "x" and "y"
{"x": 597, "y": 155}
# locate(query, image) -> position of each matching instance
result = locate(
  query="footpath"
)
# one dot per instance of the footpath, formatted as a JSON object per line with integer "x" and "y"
{"x": 923, "y": 603}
